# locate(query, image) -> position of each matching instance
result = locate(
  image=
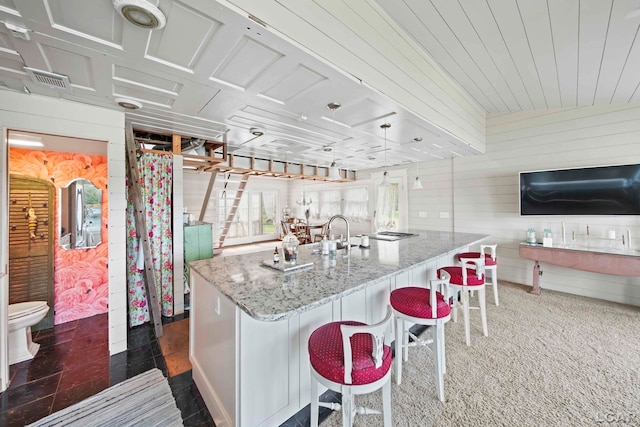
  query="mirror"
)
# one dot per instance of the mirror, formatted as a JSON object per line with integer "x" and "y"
{"x": 80, "y": 215}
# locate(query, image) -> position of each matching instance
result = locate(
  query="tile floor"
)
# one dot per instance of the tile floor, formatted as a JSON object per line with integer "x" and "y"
{"x": 73, "y": 363}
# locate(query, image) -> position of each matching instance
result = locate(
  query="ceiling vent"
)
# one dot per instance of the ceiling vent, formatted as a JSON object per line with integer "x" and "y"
{"x": 51, "y": 80}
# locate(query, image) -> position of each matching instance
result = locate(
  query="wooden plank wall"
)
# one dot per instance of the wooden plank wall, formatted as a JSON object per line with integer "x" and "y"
{"x": 486, "y": 188}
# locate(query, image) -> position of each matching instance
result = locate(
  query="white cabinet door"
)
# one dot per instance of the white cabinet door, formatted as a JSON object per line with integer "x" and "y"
{"x": 354, "y": 307}
{"x": 309, "y": 322}
{"x": 266, "y": 382}
{"x": 213, "y": 350}
{"x": 377, "y": 300}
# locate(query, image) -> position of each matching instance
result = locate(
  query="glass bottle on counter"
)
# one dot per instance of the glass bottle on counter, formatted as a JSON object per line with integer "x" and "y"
{"x": 290, "y": 245}
{"x": 276, "y": 255}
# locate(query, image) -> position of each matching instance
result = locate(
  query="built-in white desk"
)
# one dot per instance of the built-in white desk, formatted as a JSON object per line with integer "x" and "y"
{"x": 596, "y": 260}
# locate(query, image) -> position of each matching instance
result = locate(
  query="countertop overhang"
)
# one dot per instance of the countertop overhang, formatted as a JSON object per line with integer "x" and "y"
{"x": 269, "y": 295}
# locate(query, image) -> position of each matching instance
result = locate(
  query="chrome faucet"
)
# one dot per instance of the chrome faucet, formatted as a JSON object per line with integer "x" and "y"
{"x": 345, "y": 244}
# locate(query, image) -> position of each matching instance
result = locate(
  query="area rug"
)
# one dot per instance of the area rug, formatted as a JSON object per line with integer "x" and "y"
{"x": 144, "y": 400}
{"x": 554, "y": 360}
{"x": 174, "y": 344}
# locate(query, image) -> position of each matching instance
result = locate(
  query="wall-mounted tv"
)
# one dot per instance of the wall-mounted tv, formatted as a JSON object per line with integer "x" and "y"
{"x": 604, "y": 190}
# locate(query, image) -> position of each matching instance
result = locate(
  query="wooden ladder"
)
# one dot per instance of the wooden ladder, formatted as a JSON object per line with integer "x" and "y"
{"x": 141, "y": 230}
{"x": 234, "y": 209}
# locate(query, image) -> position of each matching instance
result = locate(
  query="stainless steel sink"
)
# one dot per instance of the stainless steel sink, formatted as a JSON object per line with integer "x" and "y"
{"x": 391, "y": 235}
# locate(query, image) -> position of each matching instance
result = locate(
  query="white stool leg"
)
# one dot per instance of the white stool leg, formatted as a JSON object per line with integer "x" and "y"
{"x": 442, "y": 347}
{"x": 405, "y": 341}
{"x": 314, "y": 402}
{"x": 398, "y": 344}
{"x": 483, "y": 311}
{"x": 465, "y": 312}
{"x": 347, "y": 407}
{"x": 386, "y": 403}
{"x": 494, "y": 283}
{"x": 438, "y": 346}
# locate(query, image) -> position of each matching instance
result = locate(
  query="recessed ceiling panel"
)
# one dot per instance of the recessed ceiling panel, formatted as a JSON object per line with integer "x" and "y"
{"x": 139, "y": 78}
{"x": 248, "y": 60}
{"x": 142, "y": 95}
{"x": 360, "y": 112}
{"x": 291, "y": 85}
{"x": 9, "y": 64}
{"x": 76, "y": 67}
{"x": 184, "y": 37}
{"x": 92, "y": 20}
{"x": 9, "y": 6}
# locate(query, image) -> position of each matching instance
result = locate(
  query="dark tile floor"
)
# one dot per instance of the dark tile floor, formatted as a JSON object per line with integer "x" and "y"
{"x": 74, "y": 363}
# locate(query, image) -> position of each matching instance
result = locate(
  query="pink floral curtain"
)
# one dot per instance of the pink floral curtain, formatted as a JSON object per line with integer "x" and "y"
{"x": 156, "y": 182}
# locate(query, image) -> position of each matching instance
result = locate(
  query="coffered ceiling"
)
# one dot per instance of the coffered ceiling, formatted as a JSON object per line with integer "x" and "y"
{"x": 213, "y": 71}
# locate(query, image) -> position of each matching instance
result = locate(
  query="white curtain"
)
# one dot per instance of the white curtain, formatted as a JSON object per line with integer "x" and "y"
{"x": 387, "y": 207}
{"x": 356, "y": 204}
{"x": 330, "y": 205}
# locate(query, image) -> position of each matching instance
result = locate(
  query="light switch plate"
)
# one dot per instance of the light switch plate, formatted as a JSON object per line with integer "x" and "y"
{"x": 444, "y": 215}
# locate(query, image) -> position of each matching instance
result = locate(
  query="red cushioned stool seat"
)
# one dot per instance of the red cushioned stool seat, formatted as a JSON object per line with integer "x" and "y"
{"x": 488, "y": 260}
{"x": 466, "y": 280}
{"x": 414, "y": 305}
{"x": 457, "y": 279}
{"x": 351, "y": 358}
{"x": 414, "y": 302}
{"x": 326, "y": 355}
{"x": 490, "y": 264}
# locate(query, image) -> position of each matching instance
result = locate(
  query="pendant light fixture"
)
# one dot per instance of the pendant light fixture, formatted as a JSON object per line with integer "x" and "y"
{"x": 334, "y": 173}
{"x": 385, "y": 175}
{"x": 417, "y": 184}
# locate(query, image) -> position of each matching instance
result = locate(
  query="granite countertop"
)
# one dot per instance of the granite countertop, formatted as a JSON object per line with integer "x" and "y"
{"x": 270, "y": 295}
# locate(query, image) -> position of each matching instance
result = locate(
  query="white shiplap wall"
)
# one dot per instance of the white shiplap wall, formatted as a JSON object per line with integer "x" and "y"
{"x": 52, "y": 116}
{"x": 485, "y": 188}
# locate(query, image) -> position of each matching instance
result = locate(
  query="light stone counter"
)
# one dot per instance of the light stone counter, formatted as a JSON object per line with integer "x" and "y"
{"x": 269, "y": 295}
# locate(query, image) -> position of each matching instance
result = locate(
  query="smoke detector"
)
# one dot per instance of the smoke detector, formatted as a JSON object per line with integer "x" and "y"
{"x": 46, "y": 78}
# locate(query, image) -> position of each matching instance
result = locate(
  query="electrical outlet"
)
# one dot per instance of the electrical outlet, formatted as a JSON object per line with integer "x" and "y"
{"x": 422, "y": 214}
{"x": 444, "y": 215}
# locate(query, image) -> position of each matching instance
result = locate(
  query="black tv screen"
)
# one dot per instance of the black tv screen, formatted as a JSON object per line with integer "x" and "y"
{"x": 604, "y": 190}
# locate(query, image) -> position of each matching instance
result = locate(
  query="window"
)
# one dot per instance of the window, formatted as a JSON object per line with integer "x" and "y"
{"x": 387, "y": 214}
{"x": 356, "y": 204}
{"x": 330, "y": 203}
{"x": 255, "y": 216}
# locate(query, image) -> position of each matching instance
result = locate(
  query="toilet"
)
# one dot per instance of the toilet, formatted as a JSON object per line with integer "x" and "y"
{"x": 22, "y": 316}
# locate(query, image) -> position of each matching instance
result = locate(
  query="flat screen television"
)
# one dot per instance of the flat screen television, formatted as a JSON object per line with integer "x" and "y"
{"x": 604, "y": 190}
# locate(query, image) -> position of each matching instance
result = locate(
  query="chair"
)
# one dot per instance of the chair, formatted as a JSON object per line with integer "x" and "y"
{"x": 286, "y": 228}
{"x": 490, "y": 264}
{"x": 324, "y": 232}
{"x": 464, "y": 279}
{"x": 351, "y": 358}
{"x": 302, "y": 232}
{"x": 422, "y": 306}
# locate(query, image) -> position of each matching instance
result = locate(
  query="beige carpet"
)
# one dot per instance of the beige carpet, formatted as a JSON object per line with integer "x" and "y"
{"x": 552, "y": 360}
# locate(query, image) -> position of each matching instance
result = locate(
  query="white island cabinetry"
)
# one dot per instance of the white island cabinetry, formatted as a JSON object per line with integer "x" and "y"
{"x": 250, "y": 324}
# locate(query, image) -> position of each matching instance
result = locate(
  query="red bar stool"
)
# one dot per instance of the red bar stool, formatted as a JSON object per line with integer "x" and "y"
{"x": 465, "y": 279}
{"x": 351, "y": 358}
{"x": 424, "y": 307}
{"x": 490, "y": 264}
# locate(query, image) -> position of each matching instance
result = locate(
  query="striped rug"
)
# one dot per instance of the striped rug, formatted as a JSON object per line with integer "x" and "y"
{"x": 144, "y": 400}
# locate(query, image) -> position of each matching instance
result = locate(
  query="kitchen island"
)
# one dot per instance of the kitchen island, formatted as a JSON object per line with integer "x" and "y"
{"x": 249, "y": 323}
